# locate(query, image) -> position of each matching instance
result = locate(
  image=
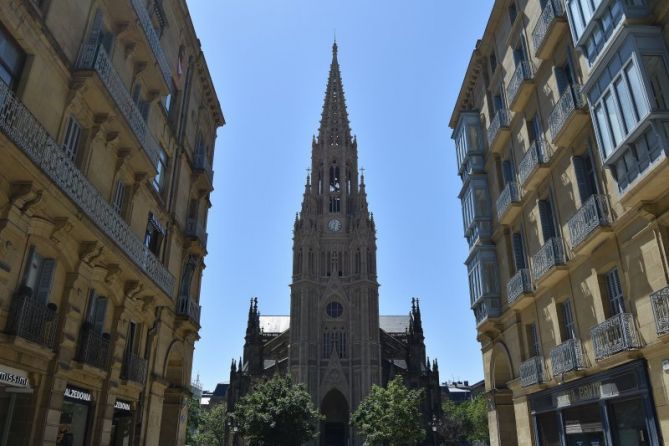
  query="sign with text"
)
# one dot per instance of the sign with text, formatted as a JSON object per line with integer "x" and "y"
{"x": 77, "y": 394}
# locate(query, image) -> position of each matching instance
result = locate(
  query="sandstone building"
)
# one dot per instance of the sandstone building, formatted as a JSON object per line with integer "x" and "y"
{"x": 108, "y": 119}
{"x": 561, "y": 130}
{"x": 334, "y": 340}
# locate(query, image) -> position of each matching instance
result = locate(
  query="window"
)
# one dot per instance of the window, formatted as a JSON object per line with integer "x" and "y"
{"x": 493, "y": 63}
{"x": 547, "y": 220}
{"x": 615, "y": 292}
{"x": 518, "y": 251}
{"x": 585, "y": 177}
{"x": 12, "y": 59}
{"x": 72, "y": 138}
{"x": 132, "y": 342}
{"x": 142, "y": 105}
{"x": 154, "y": 235}
{"x": 567, "y": 319}
{"x": 533, "y": 340}
{"x": 507, "y": 171}
{"x": 533, "y": 129}
{"x": 335, "y": 181}
{"x": 119, "y": 198}
{"x": 167, "y": 102}
{"x": 659, "y": 81}
{"x": 335, "y": 204}
{"x": 95, "y": 314}
{"x": 334, "y": 310}
{"x": 38, "y": 276}
{"x": 187, "y": 277}
{"x": 334, "y": 340}
{"x": 161, "y": 169}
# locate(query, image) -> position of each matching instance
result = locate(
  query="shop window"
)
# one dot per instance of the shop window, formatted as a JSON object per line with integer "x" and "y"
{"x": 72, "y": 138}
{"x": 74, "y": 418}
{"x": 120, "y": 197}
{"x": 628, "y": 423}
{"x": 547, "y": 219}
{"x": 548, "y": 427}
{"x": 583, "y": 425}
{"x": 38, "y": 276}
{"x": 614, "y": 292}
{"x": 161, "y": 168}
{"x": 154, "y": 235}
{"x": 585, "y": 177}
{"x": 97, "y": 309}
{"x": 12, "y": 59}
{"x": 122, "y": 423}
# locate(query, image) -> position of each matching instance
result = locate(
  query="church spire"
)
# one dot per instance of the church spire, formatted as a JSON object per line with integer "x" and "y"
{"x": 334, "y": 129}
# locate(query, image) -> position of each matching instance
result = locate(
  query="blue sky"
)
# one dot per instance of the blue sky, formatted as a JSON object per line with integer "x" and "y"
{"x": 402, "y": 65}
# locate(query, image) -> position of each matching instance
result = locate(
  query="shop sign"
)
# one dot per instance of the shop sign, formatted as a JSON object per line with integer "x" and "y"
{"x": 13, "y": 377}
{"x": 587, "y": 392}
{"x": 122, "y": 405}
{"x": 77, "y": 394}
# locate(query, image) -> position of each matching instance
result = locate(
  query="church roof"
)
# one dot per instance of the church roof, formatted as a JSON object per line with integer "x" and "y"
{"x": 279, "y": 324}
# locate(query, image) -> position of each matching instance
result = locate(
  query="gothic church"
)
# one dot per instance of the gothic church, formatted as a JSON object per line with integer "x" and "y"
{"x": 334, "y": 340}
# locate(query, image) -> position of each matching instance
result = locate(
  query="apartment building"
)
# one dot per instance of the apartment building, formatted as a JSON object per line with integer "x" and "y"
{"x": 561, "y": 130}
{"x": 108, "y": 119}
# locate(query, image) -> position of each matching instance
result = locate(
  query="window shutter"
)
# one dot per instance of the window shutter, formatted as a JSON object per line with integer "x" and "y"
{"x": 44, "y": 281}
{"x": 546, "y": 216}
{"x": 568, "y": 319}
{"x": 518, "y": 251}
{"x": 615, "y": 291}
{"x": 584, "y": 186}
{"x": 31, "y": 274}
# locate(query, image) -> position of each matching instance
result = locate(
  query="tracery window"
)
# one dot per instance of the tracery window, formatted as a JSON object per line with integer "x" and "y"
{"x": 334, "y": 340}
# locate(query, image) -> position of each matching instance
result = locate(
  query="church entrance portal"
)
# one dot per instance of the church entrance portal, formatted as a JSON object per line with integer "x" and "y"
{"x": 334, "y": 429}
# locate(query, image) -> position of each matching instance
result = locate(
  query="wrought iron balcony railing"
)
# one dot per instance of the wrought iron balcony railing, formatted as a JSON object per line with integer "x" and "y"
{"x": 94, "y": 347}
{"x": 660, "y": 301}
{"x": 94, "y": 57}
{"x": 539, "y": 154}
{"x": 519, "y": 284}
{"x": 532, "y": 371}
{"x": 189, "y": 308}
{"x": 615, "y": 335}
{"x": 22, "y": 128}
{"x": 549, "y": 256}
{"x": 134, "y": 368}
{"x": 570, "y": 101}
{"x": 509, "y": 195}
{"x": 33, "y": 320}
{"x": 154, "y": 40}
{"x": 550, "y": 13}
{"x": 501, "y": 120}
{"x": 593, "y": 214}
{"x": 524, "y": 72}
{"x": 567, "y": 357}
{"x": 195, "y": 230}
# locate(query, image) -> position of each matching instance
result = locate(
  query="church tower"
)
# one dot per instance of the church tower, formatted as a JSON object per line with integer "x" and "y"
{"x": 334, "y": 345}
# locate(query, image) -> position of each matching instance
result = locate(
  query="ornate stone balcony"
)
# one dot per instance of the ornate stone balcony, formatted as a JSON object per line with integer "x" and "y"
{"x": 134, "y": 368}
{"x": 533, "y": 167}
{"x": 520, "y": 87}
{"x": 32, "y": 320}
{"x": 195, "y": 231}
{"x": 591, "y": 217}
{"x": 508, "y": 204}
{"x": 548, "y": 259}
{"x": 25, "y": 131}
{"x": 486, "y": 310}
{"x": 660, "y": 301}
{"x": 567, "y": 357}
{"x": 519, "y": 289}
{"x": 568, "y": 116}
{"x": 93, "y": 347}
{"x": 189, "y": 309}
{"x": 499, "y": 131}
{"x": 94, "y": 57}
{"x": 550, "y": 26}
{"x": 615, "y": 335}
{"x": 532, "y": 371}
{"x": 153, "y": 41}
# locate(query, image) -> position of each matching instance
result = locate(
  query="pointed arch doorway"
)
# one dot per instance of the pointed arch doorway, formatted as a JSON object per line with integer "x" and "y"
{"x": 334, "y": 429}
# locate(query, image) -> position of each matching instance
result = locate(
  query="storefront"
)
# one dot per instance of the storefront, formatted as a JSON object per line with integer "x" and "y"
{"x": 16, "y": 407}
{"x": 609, "y": 409}
{"x": 122, "y": 423}
{"x": 74, "y": 417}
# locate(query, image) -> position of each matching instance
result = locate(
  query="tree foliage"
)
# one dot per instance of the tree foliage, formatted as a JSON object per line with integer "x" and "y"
{"x": 277, "y": 412}
{"x": 390, "y": 415}
{"x": 464, "y": 422}
{"x": 211, "y": 431}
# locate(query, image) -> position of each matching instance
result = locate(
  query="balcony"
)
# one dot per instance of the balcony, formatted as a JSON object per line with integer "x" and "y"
{"x": 568, "y": 117}
{"x": 189, "y": 309}
{"x": 25, "y": 131}
{"x": 153, "y": 41}
{"x": 94, "y": 58}
{"x": 508, "y": 204}
{"x": 202, "y": 167}
{"x": 590, "y": 225}
{"x": 134, "y": 368}
{"x": 532, "y": 371}
{"x": 93, "y": 348}
{"x": 615, "y": 335}
{"x": 534, "y": 166}
{"x": 520, "y": 87}
{"x": 548, "y": 262}
{"x": 660, "y": 302}
{"x": 567, "y": 357}
{"x": 499, "y": 132}
{"x": 519, "y": 290}
{"x": 550, "y": 27}
{"x": 196, "y": 232}
{"x": 486, "y": 311}
{"x": 32, "y": 320}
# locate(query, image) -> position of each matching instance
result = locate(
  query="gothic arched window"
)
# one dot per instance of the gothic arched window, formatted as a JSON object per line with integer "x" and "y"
{"x": 335, "y": 180}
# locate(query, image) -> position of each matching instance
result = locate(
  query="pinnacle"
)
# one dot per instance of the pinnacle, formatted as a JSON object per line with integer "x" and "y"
{"x": 334, "y": 128}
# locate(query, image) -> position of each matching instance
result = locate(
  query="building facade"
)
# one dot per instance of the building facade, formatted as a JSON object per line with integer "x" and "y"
{"x": 108, "y": 119}
{"x": 334, "y": 340}
{"x": 562, "y": 136}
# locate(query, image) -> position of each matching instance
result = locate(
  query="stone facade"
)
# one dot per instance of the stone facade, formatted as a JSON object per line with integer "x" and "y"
{"x": 334, "y": 340}
{"x": 562, "y": 139}
{"x": 108, "y": 119}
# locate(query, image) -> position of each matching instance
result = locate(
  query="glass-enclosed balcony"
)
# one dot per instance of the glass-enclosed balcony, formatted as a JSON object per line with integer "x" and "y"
{"x": 486, "y": 310}
{"x": 568, "y": 116}
{"x": 660, "y": 302}
{"x": 533, "y": 167}
{"x": 593, "y": 216}
{"x": 615, "y": 335}
{"x": 469, "y": 147}
{"x": 196, "y": 231}
{"x": 189, "y": 309}
{"x": 521, "y": 85}
{"x": 532, "y": 371}
{"x": 508, "y": 204}
{"x": 202, "y": 166}
{"x": 519, "y": 289}
{"x": 549, "y": 28}
{"x": 499, "y": 131}
{"x": 476, "y": 212}
{"x": 549, "y": 258}
{"x": 484, "y": 291}
{"x": 567, "y": 357}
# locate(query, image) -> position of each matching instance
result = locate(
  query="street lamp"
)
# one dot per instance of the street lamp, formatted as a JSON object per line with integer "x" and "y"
{"x": 434, "y": 424}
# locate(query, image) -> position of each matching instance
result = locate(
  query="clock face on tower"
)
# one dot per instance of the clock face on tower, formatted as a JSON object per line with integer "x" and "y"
{"x": 334, "y": 225}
